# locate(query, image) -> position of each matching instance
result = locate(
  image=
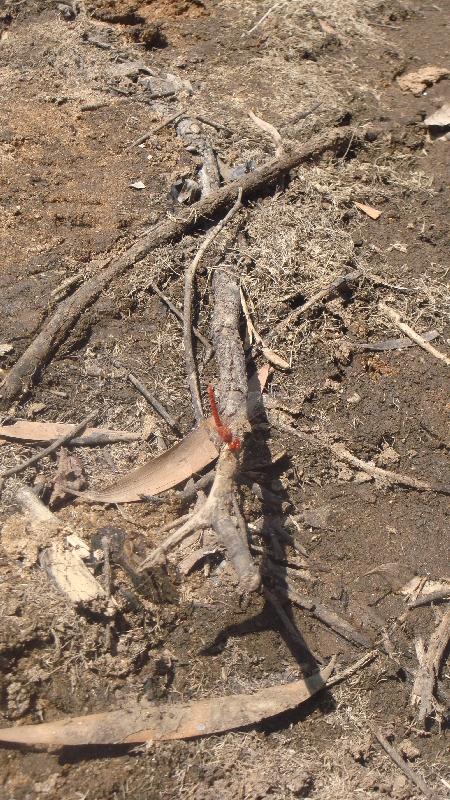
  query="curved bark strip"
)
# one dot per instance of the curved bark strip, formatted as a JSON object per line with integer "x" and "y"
{"x": 59, "y": 325}
{"x": 165, "y": 722}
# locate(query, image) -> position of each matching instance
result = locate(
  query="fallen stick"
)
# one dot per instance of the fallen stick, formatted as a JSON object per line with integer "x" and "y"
{"x": 67, "y": 437}
{"x": 429, "y": 665}
{"x": 213, "y": 124}
{"x": 189, "y": 282}
{"x": 62, "y": 322}
{"x": 171, "y": 721}
{"x": 411, "y": 774}
{"x": 412, "y": 334}
{"x": 287, "y": 622}
{"x": 316, "y": 298}
{"x": 261, "y": 19}
{"x": 155, "y": 404}
{"x": 385, "y": 475}
{"x": 179, "y": 316}
{"x": 24, "y": 430}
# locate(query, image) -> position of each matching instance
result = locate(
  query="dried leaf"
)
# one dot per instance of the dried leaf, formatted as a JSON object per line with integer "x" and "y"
{"x": 170, "y": 468}
{"x": 417, "y": 82}
{"x": 371, "y": 212}
{"x": 5, "y": 349}
{"x": 148, "y": 722}
{"x": 137, "y": 185}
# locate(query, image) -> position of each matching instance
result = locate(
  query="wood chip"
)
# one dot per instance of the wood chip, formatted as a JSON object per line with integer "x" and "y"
{"x": 371, "y": 212}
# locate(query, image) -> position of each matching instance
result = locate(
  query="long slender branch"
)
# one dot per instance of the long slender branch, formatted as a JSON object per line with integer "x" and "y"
{"x": 68, "y": 313}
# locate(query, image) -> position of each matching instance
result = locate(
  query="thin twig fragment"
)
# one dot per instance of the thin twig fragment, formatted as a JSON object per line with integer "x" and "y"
{"x": 316, "y": 298}
{"x": 411, "y": 774}
{"x": 158, "y": 407}
{"x": 416, "y": 337}
{"x": 384, "y": 475}
{"x": 179, "y": 316}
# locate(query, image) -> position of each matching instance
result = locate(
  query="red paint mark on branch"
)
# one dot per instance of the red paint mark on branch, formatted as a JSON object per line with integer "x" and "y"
{"x": 223, "y": 430}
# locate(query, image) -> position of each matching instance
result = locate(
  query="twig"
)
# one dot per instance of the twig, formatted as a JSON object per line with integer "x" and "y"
{"x": 261, "y": 20}
{"x": 329, "y": 618}
{"x": 68, "y": 313}
{"x": 412, "y": 334}
{"x": 411, "y": 774}
{"x": 429, "y": 665}
{"x": 188, "y": 301}
{"x": 179, "y": 316}
{"x": 301, "y": 115}
{"x": 316, "y": 298}
{"x": 51, "y": 448}
{"x": 213, "y": 124}
{"x": 385, "y": 475}
{"x": 271, "y": 130}
{"x": 393, "y": 344}
{"x": 156, "y": 129}
{"x": 171, "y": 421}
{"x": 357, "y": 665}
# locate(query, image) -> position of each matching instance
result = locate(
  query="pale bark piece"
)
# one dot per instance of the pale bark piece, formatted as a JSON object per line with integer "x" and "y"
{"x": 70, "y": 575}
{"x": 165, "y": 722}
{"x": 371, "y": 212}
{"x": 416, "y": 82}
{"x": 24, "y": 430}
{"x": 440, "y": 118}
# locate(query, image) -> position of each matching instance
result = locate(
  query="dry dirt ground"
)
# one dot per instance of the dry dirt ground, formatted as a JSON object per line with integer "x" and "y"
{"x": 73, "y": 97}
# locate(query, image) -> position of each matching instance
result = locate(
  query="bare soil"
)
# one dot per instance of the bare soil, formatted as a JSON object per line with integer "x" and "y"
{"x": 73, "y": 98}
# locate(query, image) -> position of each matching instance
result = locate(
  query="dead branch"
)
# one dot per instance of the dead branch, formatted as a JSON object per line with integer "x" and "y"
{"x": 189, "y": 282}
{"x": 67, "y": 437}
{"x": 412, "y": 334}
{"x": 219, "y": 511}
{"x": 156, "y": 129}
{"x": 62, "y": 322}
{"x": 423, "y": 692}
{"x": 384, "y": 475}
{"x": 411, "y": 774}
